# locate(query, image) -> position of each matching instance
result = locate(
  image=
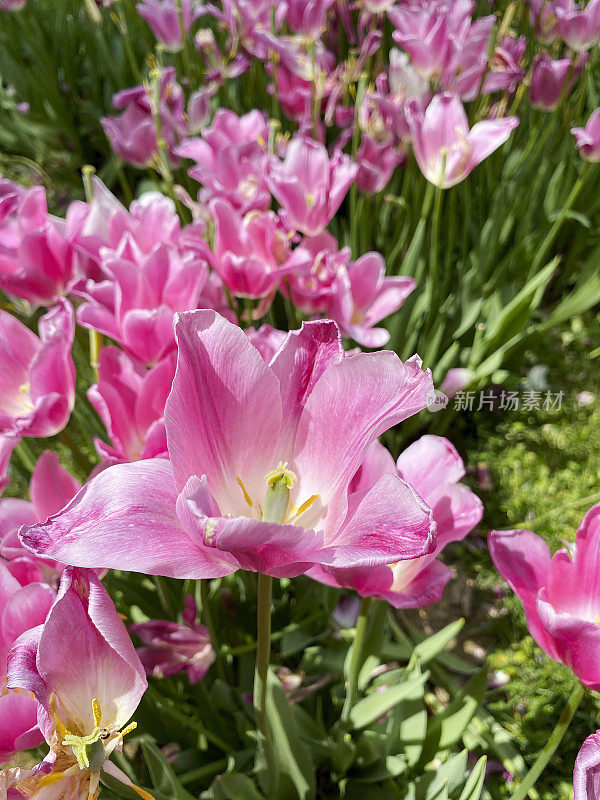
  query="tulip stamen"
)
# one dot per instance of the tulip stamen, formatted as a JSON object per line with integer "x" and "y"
{"x": 247, "y": 497}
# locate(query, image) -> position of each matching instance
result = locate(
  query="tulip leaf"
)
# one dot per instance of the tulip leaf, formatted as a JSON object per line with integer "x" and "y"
{"x": 434, "y": 645}
{"x": 474, "y": 784}
{"x": 232, "y": 786}
{"x": 294, "y": 762}
{"x": 161, "y": 773}
{"x": 375, "y": 705}
{"x": 449, "y": 726}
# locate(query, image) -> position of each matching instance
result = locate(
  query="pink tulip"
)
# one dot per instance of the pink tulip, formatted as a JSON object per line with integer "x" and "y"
{"x": 210, "y": 509}
{"x": 586, "y": 776}
{"x": 250, "y": 252}
{"x": 362, "y": 296}
{"x": 132, "y": 135}
{"x": 588, "y": 138}
{"x": 130, "y": 400}
{"x": 83, "y": 670}
{"x": 7, "y": 445}
{"x": 230, "y": 160}
{"x": 37, "y": 390}
{"x": 172, "y": 648}
{"x": 376, "y": 164}
{"x": 445, "y": 149}
{"x": 506, "y": 70}
{"x": 425, "y": 35}
{"x": 136, "y": 301}
{"x": 543, "y": 18}
{"x": 51, "y": 488}
{"x": 12, "y": 5}
{"x": 457, "y": 379}
{"x": 24, "y": 605}
{"x": 309, "y": 185}
{"x": 548, "y": 80}
{"x": 36, "y": 259}
{"x": 163, "y": 18}
{"x": 579, "y": 27}
{"x": 560, "y": 594}
{"x": 316, "y": 261}
{"x": 267, "y": 340}
{"x": 433, "y": 468}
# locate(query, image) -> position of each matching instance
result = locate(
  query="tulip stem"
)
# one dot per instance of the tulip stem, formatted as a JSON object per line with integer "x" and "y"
{"x": 551, "y": 745}
{"x": 356, "y": 659}
{"x": 263, "y": 656}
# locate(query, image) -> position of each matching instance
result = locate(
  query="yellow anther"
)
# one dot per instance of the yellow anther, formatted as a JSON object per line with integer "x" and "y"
{"x": 310, "y": 201}
{"x": 96, "y": 712}
{"x": 131, "y": 727}
{"x": 306, "y": 505}
{"x": 25, "y": 388}
{"x": 247, "y": 497}
{"x": 281, "y": 472}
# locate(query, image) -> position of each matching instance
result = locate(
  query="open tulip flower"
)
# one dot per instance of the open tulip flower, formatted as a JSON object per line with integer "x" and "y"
{"x": 433, "y": 468}
{"x": 445, "y": 149}
{"x": 560, "y": 594}
{"x": 258, "y": 476}
{"x": 82, "y": 667}
{"x": 37, "y": 390}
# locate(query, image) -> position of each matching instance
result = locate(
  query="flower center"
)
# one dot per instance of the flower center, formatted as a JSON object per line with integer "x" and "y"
{"x": 276, "y": 506}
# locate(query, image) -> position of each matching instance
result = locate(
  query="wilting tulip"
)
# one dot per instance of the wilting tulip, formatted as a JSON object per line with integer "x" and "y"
{"x": 230, "y": 159}
{"x": 579, "y": 27}
{"x": 433, "y": 468}
{"x": 130, "y": 400}
{"x": 51, "y": 487}
{"x": 25, "y": 601}
{"x": 250, "y": 252}
{"x": 171, "y": 648}
{"x": 560, "y": 593}
{"x": 586, "y": 776}
{"x": 83, "y": 669}
{"x": 163, "y": 17}
{"x": 362, "y": 296}
{"x": 309, "y": 185}
{"x": 36, "y": 258}
{"x": 37, "y": 390}
{"x": 445, "y": 149}
{"x": 588, "y": 138}
{"x": 548, "y": 79}
{"x": 269, "y": 497}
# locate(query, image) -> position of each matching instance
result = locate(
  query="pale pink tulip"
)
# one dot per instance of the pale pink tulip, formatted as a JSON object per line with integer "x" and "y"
{"x": 579, "y": 26}
{"x": 83, "y": 669}
{"x": 586, "y": 775}
{"x": 588, "y": 138}
{"x": 433, "y": 468}
{"x": 213, "y": 507}
{"x": 445, "y": 149}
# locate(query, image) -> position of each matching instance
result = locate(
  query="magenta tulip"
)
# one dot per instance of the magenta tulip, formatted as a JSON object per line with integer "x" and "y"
{"x": 37, "y": 390}
{"x": 130, "y": 400}
{"x": 309, "y": 185}
{"x": 163, "y": 18}
{"x": 588, "y": 138}
{"x": 579, "y": 26}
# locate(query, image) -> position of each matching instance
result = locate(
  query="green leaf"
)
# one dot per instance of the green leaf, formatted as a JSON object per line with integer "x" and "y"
{"x": 450, "y": 775}
{"x": 450, "y": 725}
{"x": 474, "y": 784}
{"x": 552, "y": 196}
{"x": 431, "y": 647}
{"x": 161, "y": 773}
{"x": 370, "y": 708}
{"x": 233, "y": 786}
{"x": 296, "y": 770}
